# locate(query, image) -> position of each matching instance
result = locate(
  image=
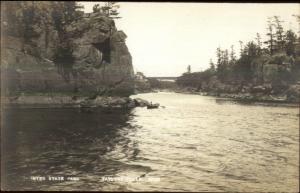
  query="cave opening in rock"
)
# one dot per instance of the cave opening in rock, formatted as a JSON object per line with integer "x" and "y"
{"x": 104, "y": 48}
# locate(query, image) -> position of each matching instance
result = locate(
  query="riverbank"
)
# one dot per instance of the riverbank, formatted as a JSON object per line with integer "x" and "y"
{"x": 247, "y": 93}
{"x": 62, "y": 101}
{"x": 247, "y": 97}
{"x": 109, "y": 102}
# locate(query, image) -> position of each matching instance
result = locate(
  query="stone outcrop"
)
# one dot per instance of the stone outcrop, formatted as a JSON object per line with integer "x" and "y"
{"x": 141, "y": 102}
{"x": 61, "y": 101}
{"x": 102, "y": 63}
{"x": 68, "y": 101}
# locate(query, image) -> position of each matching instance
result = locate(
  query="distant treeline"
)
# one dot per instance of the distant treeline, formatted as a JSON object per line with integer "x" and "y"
{"x": 275, "y": 61}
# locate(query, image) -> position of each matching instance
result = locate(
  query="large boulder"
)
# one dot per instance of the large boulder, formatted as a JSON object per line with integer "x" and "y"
{"x": 140, "y": 102}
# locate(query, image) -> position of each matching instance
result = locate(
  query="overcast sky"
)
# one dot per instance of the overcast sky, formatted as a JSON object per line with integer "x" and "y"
{"x": 164, "y": 38}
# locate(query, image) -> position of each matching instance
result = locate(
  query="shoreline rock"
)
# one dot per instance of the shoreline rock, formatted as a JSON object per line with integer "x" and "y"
{"x": 141, "y": 102}
{"x": 69, "y": 101}
{"x": 100, "y": 102}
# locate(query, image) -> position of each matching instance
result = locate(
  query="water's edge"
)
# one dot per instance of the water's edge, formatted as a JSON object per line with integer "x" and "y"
{"x": 242, "y": 97}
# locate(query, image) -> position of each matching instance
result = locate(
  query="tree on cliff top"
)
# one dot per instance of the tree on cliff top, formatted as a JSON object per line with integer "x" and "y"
{"x": 212, "y": 66}
{"x": 189, "y": 69}
{"x": 290, "y": 45}
{"x": 279, "y": 33}
{"x": 110, "y": 9}
{"x": 271, "y": 41}
{"x": 64, "y": 13}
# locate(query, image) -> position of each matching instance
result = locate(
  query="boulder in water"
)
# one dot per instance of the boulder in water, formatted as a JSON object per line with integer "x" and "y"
{"x": 141, "y": 102}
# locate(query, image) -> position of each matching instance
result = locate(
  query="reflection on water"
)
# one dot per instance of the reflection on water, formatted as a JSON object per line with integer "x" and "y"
{"x": 196, "y": 143}
{"x": 65, "y": 142}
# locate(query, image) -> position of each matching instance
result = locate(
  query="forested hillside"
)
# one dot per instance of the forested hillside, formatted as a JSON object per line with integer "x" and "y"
{"x": 267, "y": 67}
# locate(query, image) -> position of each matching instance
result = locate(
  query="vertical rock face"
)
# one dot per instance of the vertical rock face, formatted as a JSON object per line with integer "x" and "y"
{"x": 102, "y": 63}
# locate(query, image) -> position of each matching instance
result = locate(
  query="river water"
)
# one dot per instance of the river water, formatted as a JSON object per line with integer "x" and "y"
{"x": 194, "y": 143}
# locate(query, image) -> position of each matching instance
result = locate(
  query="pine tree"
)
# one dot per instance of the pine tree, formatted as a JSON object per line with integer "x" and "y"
{"x": 259, "y": 44}
{"x": 241, "y": 47}
{"x": 226, "y": 57}
{"x": 212, "y": 66}
{"x": 96, "y": 8}
{"x": 291, "y": 39}
{"x": 110, "y": 9}
{"x": 298, "y": 20}
{"x": 189, "y": 69}
{"x": 252, "y": 49}
{"x": 232, "y": 56}
{"x": 219, "y": 57}
{"x": 271, "y": 41}
{"x": 297, "y": 48}
{"x": 279, "y": 33}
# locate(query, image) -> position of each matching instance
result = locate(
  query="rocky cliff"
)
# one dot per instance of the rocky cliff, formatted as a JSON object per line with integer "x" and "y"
{"x": 101, "y": 63}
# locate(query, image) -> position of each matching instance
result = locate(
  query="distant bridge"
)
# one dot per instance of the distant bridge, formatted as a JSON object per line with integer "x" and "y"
{"x": 172, "y": 79}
